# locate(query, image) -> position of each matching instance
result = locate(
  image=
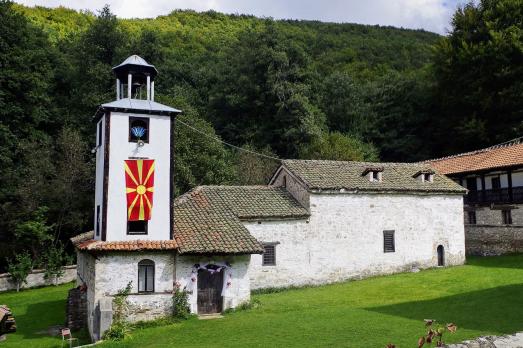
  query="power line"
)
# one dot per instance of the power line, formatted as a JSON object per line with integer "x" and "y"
{"x": 226, "y": 143}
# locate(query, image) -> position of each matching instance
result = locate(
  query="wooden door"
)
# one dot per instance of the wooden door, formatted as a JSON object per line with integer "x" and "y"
{"x": 209, "y": 292}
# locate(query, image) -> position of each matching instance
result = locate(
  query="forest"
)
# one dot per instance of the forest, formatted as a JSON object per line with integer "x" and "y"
{"x": 281, "y": 88}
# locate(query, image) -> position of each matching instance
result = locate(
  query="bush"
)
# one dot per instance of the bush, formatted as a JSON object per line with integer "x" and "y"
{"x": 181, "y": 309}
{"x": 120, "y": 327}
{"x": 118, "y": 331}
{"x": 19, "y": 268}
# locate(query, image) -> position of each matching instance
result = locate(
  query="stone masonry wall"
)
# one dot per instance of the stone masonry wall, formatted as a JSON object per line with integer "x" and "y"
{"x": 343, "y": 238}
{"x": 36, "y": 278}
{"x": 489, "y": 240}
{"x": 76, "y": 309}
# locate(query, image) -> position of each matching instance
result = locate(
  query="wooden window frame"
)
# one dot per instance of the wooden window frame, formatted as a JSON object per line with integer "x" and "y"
{"x": 97, "y": 220}
{"x": 388, "y": 248}
{"x": 273, "y": 246}
{"x": 146, "y": 223}
{"x": 99, "y": 133}
{"x": 506, "y": 216}
{"x": 144, "y": 119}
{"x": 496, "y": 179}
{"x": 146, "y": 264}
{"x": 472, "y": 217}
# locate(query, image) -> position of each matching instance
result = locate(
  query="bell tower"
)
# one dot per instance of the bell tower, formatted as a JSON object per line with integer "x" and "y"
{"x": 134, "y": 159}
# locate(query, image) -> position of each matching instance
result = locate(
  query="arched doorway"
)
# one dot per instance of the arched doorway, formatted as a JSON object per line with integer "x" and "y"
{"x": 441, "y": 255}
{"x": 210, "y": 285}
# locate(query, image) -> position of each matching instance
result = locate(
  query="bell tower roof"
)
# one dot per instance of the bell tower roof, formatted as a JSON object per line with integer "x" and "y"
{"x": 134, "y": 64}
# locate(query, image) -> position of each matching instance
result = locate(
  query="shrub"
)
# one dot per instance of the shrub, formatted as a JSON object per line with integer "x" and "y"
{"x": 181, "y": 309}
{"x": 120, "y": 327}
{"x": 19, "y": 268}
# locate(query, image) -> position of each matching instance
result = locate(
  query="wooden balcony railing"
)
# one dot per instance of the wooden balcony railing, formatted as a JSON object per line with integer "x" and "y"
{"x": 495, "y": 196}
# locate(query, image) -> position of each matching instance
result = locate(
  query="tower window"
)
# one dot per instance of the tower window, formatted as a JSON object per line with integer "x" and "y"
{"x": 97, "y": 220}
{"x": 138, "y": 129}
{"x": 137, "y": 227}
{"x": 99, "y": 138}
{"x": 472, "y": 217}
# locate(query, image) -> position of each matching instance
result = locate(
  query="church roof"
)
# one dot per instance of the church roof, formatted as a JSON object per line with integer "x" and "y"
{"x": 126, "y": 104}
{"x": 208, "y": 219}
{"x": 504, "y": 155}
{"x": 320, "y": 175}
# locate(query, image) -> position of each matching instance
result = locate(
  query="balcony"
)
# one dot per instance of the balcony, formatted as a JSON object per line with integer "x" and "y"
{"x": 498, "y": 196}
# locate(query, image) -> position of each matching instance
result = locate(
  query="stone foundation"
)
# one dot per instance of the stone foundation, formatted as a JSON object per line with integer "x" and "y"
{"x": 491, "y": 240}
{"x": 76, "y": 309}
{"x": 508, "y": 341}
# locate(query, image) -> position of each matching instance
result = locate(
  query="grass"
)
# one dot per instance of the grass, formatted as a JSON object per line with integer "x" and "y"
{"x": 483, "y": 297}
{"x": 36, "y": 310}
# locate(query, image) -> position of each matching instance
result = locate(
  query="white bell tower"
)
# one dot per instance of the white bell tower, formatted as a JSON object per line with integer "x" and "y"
{"x": 134, "y": 159}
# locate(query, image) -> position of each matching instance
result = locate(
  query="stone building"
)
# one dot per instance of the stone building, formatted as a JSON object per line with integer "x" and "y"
{"x": 316, "y": 222}
{"x": 493, "y": 205}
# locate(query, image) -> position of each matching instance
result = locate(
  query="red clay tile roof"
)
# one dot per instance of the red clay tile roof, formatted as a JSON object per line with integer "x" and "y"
{"x": 132, "y": 245}
{"x": 498, "y": 156}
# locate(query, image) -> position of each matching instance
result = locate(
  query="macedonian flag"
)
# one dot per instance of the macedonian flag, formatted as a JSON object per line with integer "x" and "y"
{"x": 139, "y": 182}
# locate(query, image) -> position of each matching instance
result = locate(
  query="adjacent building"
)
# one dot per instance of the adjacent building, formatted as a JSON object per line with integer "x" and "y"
{"x": 316, "y": 222}
{"x": 493, "y": 207}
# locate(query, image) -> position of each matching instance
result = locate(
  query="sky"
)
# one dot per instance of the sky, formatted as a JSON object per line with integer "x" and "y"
{"x": 431, "y": 15}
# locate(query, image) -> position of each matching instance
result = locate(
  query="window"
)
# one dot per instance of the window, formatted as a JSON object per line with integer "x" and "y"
{"x": 496, "y": 183}
{"x": 507, "y": 216}
{"x": 99, "y": 139}
{"x": 284, "y": 181}
{"x": 97, "y": 220}
{"x": 388, "y": 242}
{"x": 472, "y": 217}
{"x": 472, "y": 184}
{"x": 137, "y": 227}
{"x": 269, "y": 254}
{"x": 428, "y": 177}
{"x": 375, "y": 176}
{"x": 146, "y": 276}
{"x": 138, "y": 129}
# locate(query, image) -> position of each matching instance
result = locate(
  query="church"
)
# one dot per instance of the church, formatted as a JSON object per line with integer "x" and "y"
{"x": 315, "y": 222}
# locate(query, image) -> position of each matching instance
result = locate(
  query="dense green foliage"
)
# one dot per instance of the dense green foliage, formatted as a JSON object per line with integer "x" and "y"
{"x": 288, "y": 89}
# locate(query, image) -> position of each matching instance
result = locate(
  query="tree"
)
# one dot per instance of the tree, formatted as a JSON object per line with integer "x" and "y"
{"x": 35, "y": 234}
{"x": 479, "y": 71}
{"x": 253, "y": 169}
{"x": 262, "y": 92}
{"x": 19, "y": 268}
{"x": 54, "y": 259}
{"x": 200, "y": 159}
{"x": 339, "y": 147}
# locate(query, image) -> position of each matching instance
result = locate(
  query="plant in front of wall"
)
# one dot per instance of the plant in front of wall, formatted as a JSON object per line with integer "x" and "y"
{"x": 120, "y": 327}
{"x": 54, "y": 259}
{"x": 19, "y": 268}
{"x": 181, "y": 308}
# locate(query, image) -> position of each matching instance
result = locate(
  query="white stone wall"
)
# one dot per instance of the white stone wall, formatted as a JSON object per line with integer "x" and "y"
{"x": 98, "y": 193}
{"x": 344, "y": 238}
{"x": 86, "y": 274}
{"x": 121, "y": 149}
{"x": 115, "y": 270}
{"x": 239, "y": 290}
{"x": 36, "y": 278}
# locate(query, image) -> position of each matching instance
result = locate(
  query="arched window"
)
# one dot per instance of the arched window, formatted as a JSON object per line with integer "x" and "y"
{"x": 441, "y": 255}
{"x": 146, "y": 276}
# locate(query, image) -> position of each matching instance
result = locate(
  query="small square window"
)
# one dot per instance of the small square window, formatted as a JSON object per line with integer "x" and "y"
{"x": 269, "y": 255}
{"x": 472, "y": 217}
{"x": 507, "y": 216}
{"x": 138, "y": 129}
{"x": 137, "y": 227}
{"x": 375, "y": 176}
{"x": 388, "y": 242}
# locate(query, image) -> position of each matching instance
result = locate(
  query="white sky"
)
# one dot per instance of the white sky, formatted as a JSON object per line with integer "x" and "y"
{"x": 432, "y": 15}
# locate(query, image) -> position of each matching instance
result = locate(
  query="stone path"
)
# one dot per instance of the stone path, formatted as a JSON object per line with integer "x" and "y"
{"x": 509, "y": 341}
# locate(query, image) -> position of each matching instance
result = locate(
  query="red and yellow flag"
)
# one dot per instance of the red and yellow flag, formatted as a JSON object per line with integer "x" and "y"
{"x": 139, "y": 182}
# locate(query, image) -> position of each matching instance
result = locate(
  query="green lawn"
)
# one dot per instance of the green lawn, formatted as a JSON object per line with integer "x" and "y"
{"x": 35, "y": 311}
{"x": 483, "y": 297}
